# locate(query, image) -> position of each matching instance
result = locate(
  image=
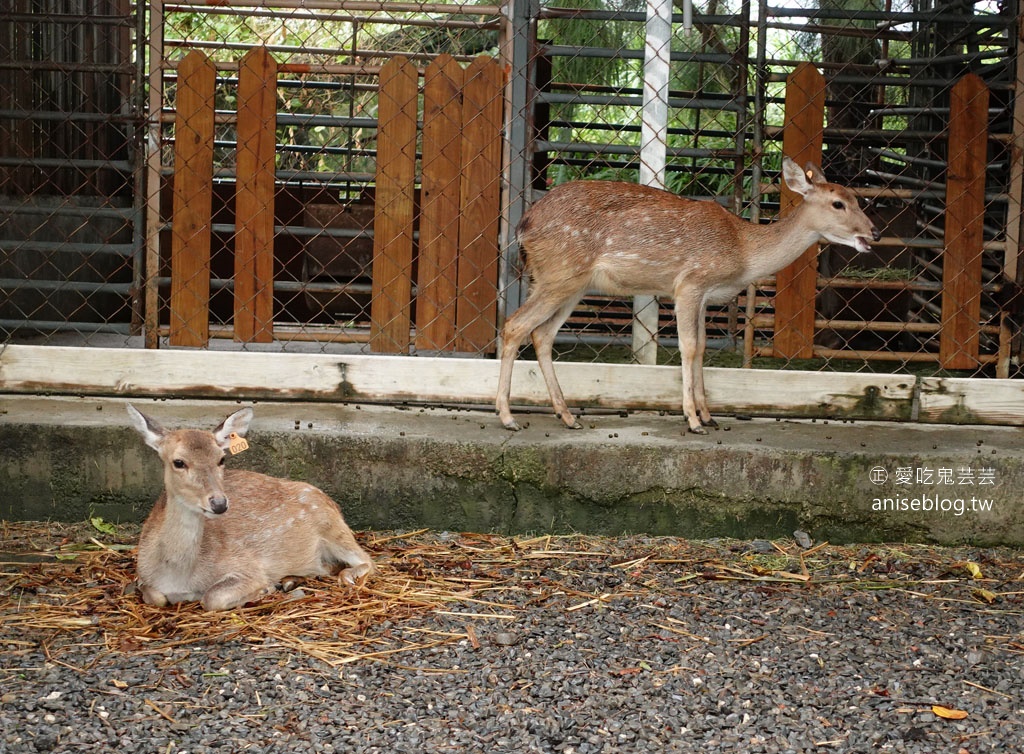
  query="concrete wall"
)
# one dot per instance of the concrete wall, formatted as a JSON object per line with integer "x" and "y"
{"x": 395, "y": 468}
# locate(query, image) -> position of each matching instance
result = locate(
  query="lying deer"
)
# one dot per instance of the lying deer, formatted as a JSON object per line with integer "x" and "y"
{"x": 626, "y": 239}
{"x": 227, "y": 537}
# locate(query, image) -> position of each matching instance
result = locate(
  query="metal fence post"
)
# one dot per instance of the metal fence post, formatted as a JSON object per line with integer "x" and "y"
{"x": 653, "y": 145}
{"x": 516, "y": 47}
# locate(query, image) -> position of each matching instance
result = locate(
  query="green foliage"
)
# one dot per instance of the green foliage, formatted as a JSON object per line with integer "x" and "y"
{"x": 572, "y": 32}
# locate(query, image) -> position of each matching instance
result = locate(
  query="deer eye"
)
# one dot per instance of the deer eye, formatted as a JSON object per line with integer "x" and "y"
{"x": 838, "y": 205}
{"x": 179, "y": 464}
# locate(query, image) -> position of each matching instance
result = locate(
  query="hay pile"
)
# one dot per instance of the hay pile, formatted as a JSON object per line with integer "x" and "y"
{"x": 62, "y": 585}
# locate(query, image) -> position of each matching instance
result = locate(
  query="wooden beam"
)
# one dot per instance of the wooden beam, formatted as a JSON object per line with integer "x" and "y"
{"x": 967, "y": 156}
{"x": 193, "y": 201}
{"x": 380, "y": 378}
{"x": 254, "y": 198}
{"x": 963, "y": 400}
{"x": 390, "y": 315}
{"x": 796, "y": 285}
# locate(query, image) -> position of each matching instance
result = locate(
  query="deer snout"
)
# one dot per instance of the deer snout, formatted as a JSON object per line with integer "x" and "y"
{"x": 862, "y": 243}
{"x": 218, "y": 504}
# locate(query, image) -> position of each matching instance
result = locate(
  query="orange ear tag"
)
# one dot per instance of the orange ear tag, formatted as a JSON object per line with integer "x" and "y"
{"x": 237, "y": 443}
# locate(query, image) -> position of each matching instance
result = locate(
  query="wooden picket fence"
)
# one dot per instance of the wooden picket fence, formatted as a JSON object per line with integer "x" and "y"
{"x": 797, "y": 285}
{"x": 459, "y": 204}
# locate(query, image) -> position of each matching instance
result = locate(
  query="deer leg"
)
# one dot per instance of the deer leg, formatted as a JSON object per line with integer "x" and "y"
{"x": 537, "y": 310}
{"x": 154, "y": 597}
{"x": 689, "y": 316}
{"x": 543, "y": 343}
{"x": 699, "y": 397}
{"x": 235, "y": 590}
{"x": 341, "y": 548}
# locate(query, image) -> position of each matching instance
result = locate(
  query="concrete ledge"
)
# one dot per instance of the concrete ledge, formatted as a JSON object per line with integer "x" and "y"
{"x": 65, "y": 458}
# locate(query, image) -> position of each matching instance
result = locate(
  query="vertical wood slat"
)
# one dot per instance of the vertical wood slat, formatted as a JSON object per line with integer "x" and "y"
{"x": 192, "y": 206}
{"x": 439, "y": 205}
{"x": 390, "y": 318}
{"x": 477, "y": 308}
{"x": 254, "y": 198}
{"x": 796, "y": 286}
{"x": 964, "y": 232}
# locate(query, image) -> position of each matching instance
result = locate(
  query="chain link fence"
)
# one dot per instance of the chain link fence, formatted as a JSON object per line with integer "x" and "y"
{"x": 912, "y": 108}
{"x": 336, "y": 175}
{"x": 70, "y": 117}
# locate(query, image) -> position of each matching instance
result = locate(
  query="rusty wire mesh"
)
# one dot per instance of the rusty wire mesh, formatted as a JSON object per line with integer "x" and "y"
{"x": 387, "y": 252}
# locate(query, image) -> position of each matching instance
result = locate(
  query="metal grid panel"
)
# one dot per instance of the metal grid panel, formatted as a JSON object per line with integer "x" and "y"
{"x": 69, "y": 121}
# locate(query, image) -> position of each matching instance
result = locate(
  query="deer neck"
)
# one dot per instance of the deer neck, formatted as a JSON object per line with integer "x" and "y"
{"x": 773, "y": 246}
{"x": 181, "y": 533}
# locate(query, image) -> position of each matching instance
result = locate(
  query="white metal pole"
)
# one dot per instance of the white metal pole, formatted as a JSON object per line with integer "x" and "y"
{"x": 653, "y": 143}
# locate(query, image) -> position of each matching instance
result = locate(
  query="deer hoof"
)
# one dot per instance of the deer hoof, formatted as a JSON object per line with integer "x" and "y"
{"x": 709, "y": 422}
{"x": 698, "y": 430}
{"x": 353, "y": 575}
{"x": 511, "y": 425}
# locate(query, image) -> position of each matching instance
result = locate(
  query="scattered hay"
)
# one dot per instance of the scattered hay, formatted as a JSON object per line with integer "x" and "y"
{"x": 66, "y": 586}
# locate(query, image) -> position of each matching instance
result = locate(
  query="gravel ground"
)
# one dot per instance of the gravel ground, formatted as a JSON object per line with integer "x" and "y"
{"x": 525, "y": 645}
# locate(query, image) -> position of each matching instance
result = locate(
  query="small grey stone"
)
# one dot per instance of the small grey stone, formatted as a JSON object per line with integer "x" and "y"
{"x": 803, "y": 539}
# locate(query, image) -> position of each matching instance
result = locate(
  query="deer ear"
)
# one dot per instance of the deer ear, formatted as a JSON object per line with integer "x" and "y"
{"x": 795, "y": 178}
{"x": 814, "y": 174}
{"x": 236, "y": 424}
{"x": 151, "y": 431}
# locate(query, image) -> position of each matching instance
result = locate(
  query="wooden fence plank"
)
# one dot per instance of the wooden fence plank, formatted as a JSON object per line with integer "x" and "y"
{"x": 390, "y": 317}
{"x": 192, "y": 205}
{"x": 440, "y": 204}
{"x": 965, "y": 216}
{"x": 254, "y": 198}
{"x": 482, "y": 108}
{"x": 796, "y": 286}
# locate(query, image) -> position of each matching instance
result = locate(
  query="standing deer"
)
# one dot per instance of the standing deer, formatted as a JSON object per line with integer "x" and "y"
{"x": 626, "y": 239}
{"x": 227, "y": 537}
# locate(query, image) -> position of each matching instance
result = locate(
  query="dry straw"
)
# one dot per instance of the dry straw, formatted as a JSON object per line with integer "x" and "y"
{"x": 58, "y": 587}
{"x": 62, "y": 587}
